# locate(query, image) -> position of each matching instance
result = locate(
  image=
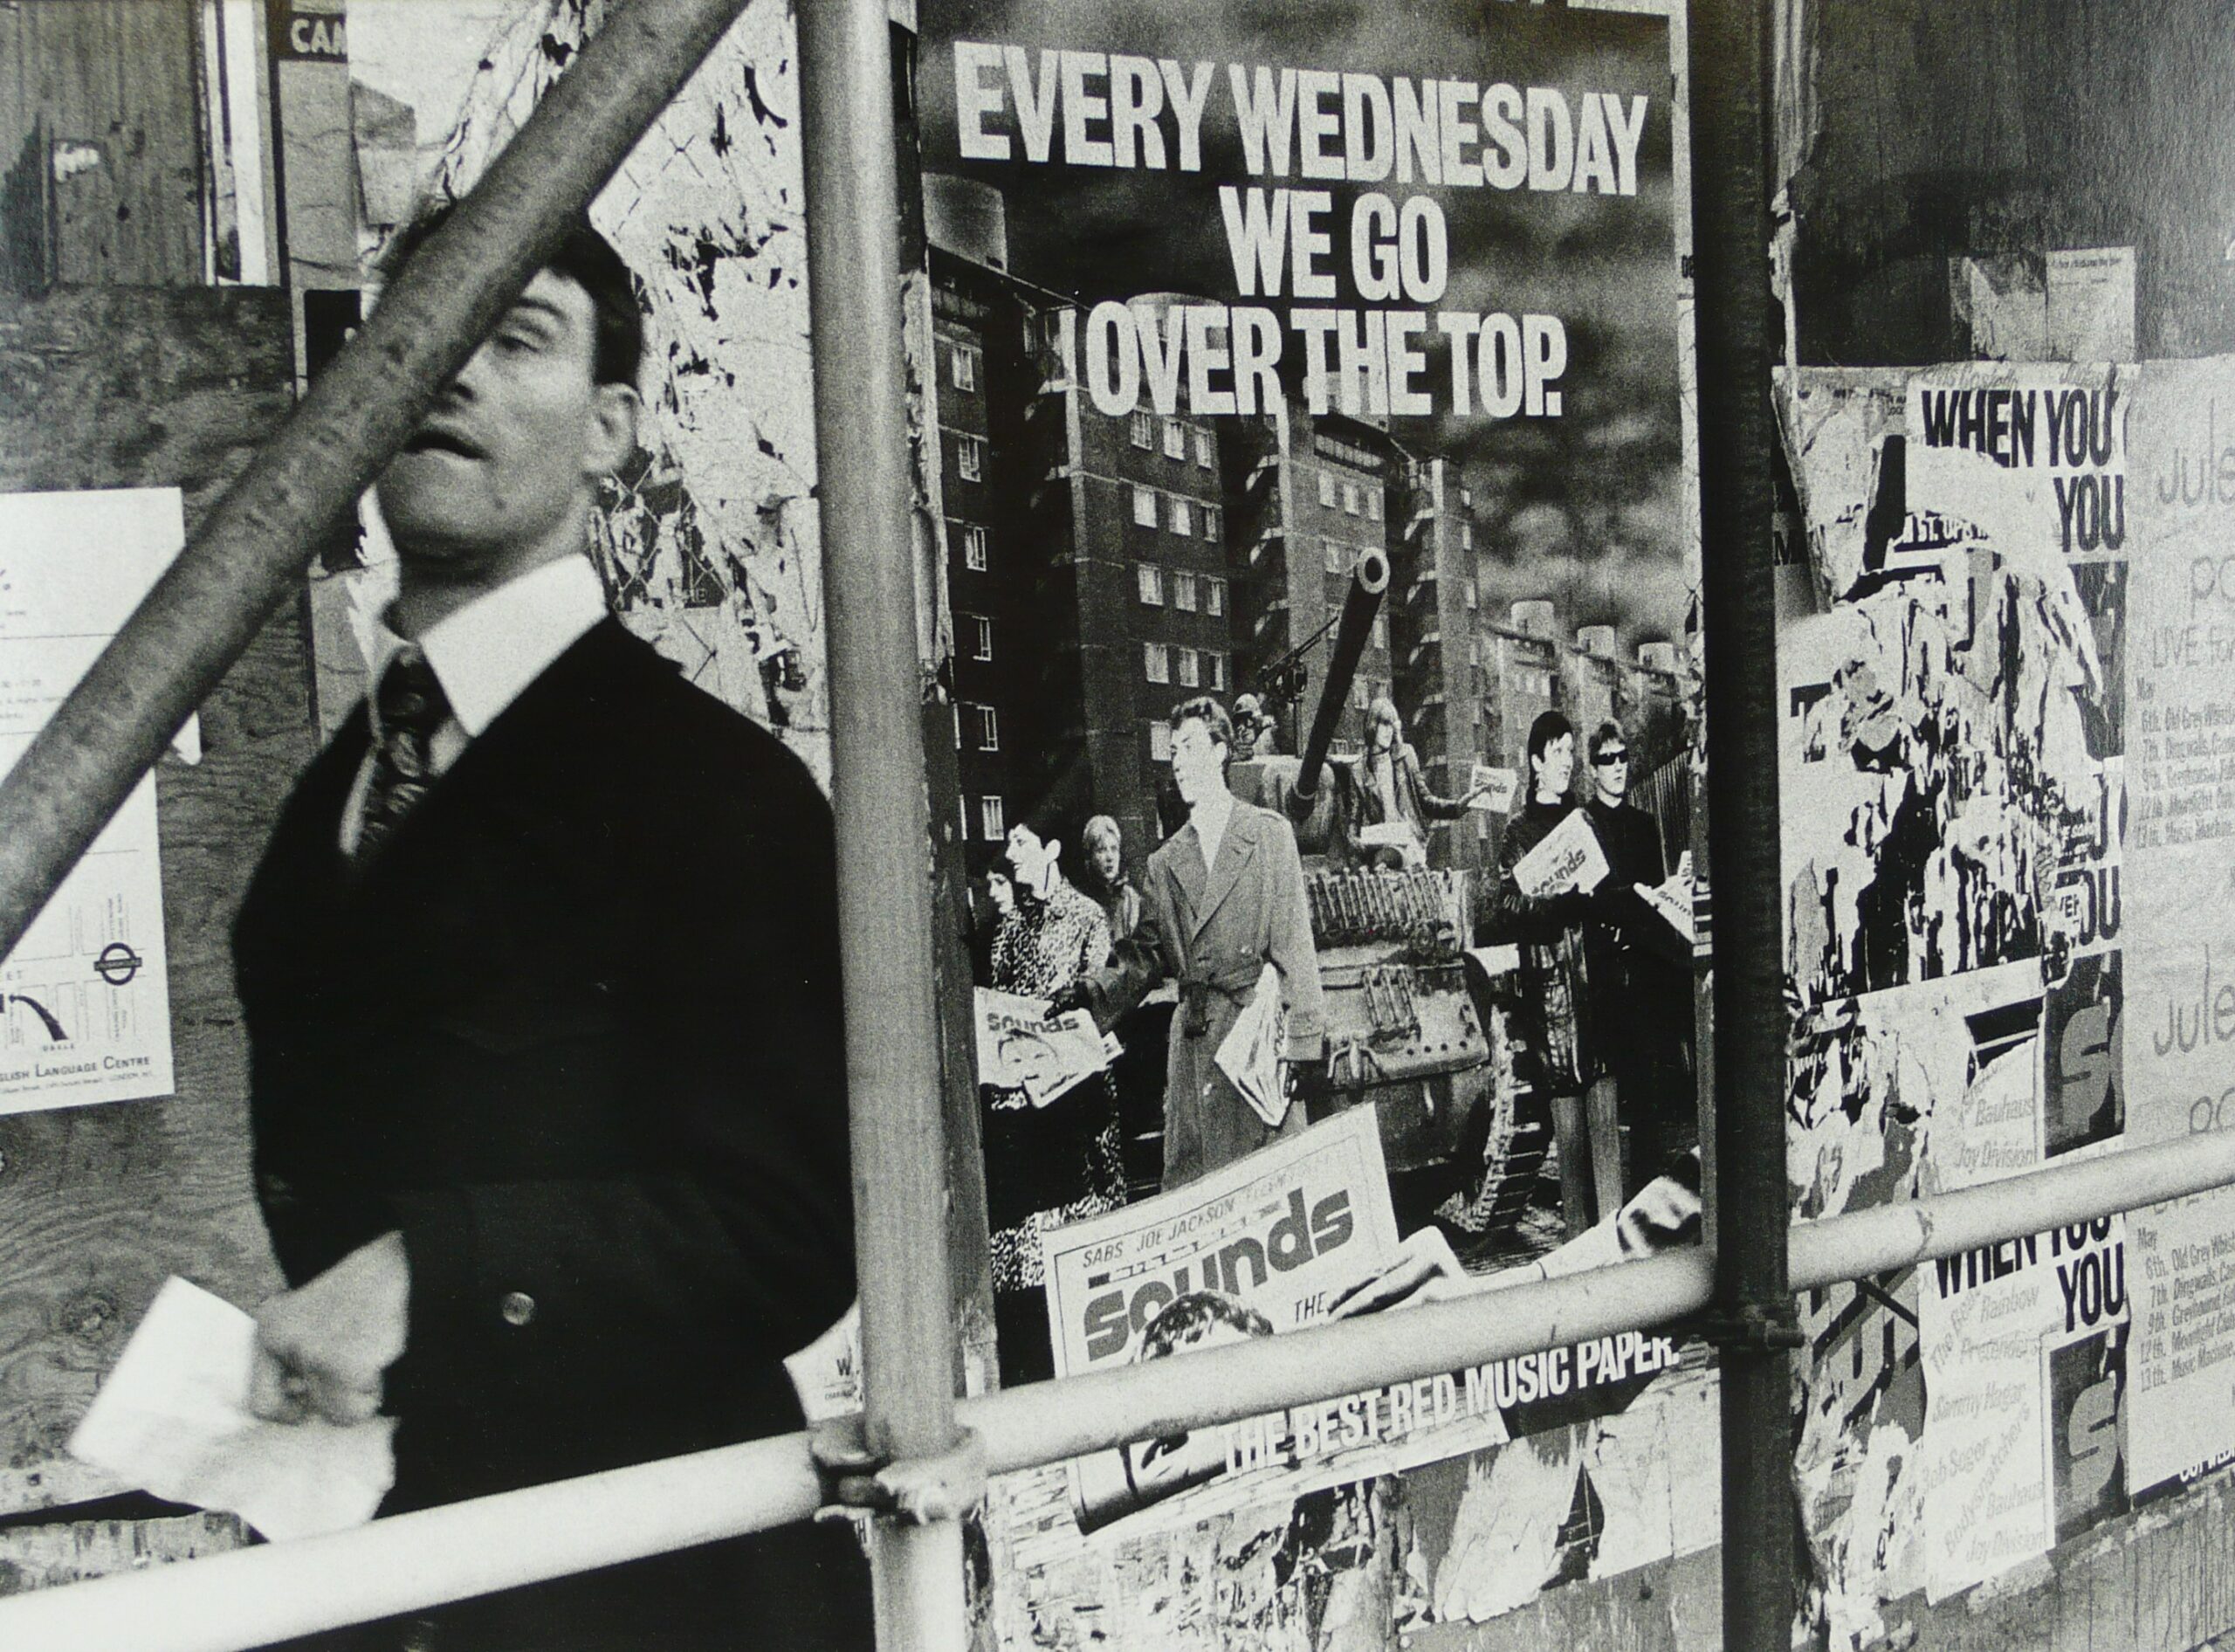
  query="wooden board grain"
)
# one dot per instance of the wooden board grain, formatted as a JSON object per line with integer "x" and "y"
{"x": 113, "y": 82}
{"x": 140, "y": 387}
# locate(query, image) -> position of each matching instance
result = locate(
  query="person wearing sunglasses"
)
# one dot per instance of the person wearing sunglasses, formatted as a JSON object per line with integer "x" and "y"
{"x": 1635, "y": 986}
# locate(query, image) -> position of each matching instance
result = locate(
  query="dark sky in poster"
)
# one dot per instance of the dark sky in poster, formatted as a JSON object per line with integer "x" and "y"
{"x": 1583, "y": 507}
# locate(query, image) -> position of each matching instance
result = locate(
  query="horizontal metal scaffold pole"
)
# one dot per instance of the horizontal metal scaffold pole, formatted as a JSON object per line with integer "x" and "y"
{"x": 399, "y": 1565}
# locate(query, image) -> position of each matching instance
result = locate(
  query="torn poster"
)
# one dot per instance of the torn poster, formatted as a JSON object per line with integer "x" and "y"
{"x": 1999, "y": 1327}
{"x": 2180, "y": 871}
{"x": 1951, "y": 719}
{"x": 85, "y": 997}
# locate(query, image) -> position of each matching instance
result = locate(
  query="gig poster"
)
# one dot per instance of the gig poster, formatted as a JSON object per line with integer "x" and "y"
{"x": 2004, "y": 672}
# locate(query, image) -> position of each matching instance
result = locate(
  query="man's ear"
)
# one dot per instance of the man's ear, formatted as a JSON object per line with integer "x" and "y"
{"x": 613, "y": 428}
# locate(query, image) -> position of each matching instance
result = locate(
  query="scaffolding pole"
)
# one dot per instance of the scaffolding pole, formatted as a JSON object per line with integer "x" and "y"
{"x": 411, "y": 1561}
{"x": 1753, "y": 1318}
{"x": 884, "y": 853}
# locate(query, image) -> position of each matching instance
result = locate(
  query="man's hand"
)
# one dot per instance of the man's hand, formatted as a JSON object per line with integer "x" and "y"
{"x": 1424, "y": 1270}
{"x": 320, "y": 1351}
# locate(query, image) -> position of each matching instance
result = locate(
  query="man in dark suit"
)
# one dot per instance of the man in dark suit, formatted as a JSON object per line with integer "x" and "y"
{"x": 541, "y": 974}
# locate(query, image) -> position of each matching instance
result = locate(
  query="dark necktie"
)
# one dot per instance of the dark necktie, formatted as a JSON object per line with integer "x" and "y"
{"x": 409, "y": 707}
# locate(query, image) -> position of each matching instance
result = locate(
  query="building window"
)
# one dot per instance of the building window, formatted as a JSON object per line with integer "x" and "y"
{"x": 1214, "y": 671}
{"x": 1144, "y": 506}
{"x": 1190, "y": 664}
{"x": 1211, "y": 522}
{"x": 1144, "y": 429}
{"x": 987, "y": 727}
{"x": 1214, "y": 597}
{"x": 1381, "y": 630}
{"x": 1151, "y": 579}
{"x": 1205, "y": 455}
{"x": 1474, "y": 597}
{"x": 1373, "y": 504}
{"x": 1466, "y": 499}
{"x": 969, "y": 458}
{"x": 1182, "y": 515}
{"x": 1350, "y": 499}
{"x": 973, "y": 547}
{"x": 963, "y": 368}
{"x": 1159, "y": 742}
{"x": 978, "y": 631}
{"x": 1338, "y": 560}
{"x": 1361, "y": 693}
{"x": 1466, "y": 536}
{"x": 1183, "y": 592}
{"x": 1175, "y": 439}
{"x": 1327, "y": 488}
{"x": 990, "y": 824}
{"x": 1156, "y": 660}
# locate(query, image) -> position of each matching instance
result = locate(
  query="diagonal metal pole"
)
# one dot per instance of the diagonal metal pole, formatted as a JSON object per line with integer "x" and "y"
{"x": 1729, "y": 63}
{"x": 254, "y": 546}
{"x": 885, "y": 856}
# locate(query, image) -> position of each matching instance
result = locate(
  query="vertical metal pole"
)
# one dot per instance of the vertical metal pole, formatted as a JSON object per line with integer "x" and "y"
{"x": 1730, "y": 194}
{"x": 885, "y": 858}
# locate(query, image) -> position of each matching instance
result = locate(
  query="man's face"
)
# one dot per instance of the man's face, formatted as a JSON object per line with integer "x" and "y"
{"x": 1198, "y": 762}
{"x": 1385, "y": 734}
{"x": 510, "y": 454}
{"x": 1610, "y": 771}
{"x": 1555, "y": 767}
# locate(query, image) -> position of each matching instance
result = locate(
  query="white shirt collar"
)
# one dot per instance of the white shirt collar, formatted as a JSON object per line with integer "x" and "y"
{"x": 1210, "y": 822}
{"x": 488, "y": 651}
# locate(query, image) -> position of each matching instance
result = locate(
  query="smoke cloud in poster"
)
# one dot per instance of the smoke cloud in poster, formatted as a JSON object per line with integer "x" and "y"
{"x": 1388, "y": 254}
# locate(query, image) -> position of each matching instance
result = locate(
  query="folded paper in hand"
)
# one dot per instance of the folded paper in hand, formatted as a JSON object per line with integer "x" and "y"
{"x": 1493, "y": 788}
{"x": 1568, "y": 859}
{"x": 1250, "y": 1053}
{"x": 173, "y": 1418}
{"x": 1673, "y": 901}
{"x": 1020, "y": 1046}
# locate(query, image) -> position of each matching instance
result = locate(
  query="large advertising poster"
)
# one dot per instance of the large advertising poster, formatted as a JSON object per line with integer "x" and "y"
{"x": 1233, "y": 308}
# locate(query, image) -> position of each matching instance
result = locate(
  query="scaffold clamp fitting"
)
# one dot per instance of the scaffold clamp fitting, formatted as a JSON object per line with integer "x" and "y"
{"x": 857, "y": 1479}
{"x": 1755, "y": 1328}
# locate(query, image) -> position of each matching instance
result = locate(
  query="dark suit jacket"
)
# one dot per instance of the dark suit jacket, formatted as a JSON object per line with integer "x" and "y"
{"x": 575, "y": 1032}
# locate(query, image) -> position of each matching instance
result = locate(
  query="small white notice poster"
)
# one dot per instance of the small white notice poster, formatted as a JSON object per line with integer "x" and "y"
{"x": 85, "y": 997}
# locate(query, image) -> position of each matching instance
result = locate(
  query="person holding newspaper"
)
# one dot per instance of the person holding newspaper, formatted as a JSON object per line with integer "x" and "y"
{"x": 1638, "y": 972}
{"x": 1383, "y": 786}
{"x": 1057, "y": 1158}
{"x": 1225, "y": 910}
{"x": 547, "y": 1070}
{"x": 1548, "y": 863}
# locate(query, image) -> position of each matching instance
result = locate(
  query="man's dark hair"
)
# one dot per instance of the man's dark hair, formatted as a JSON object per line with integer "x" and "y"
{"x": 1607, "y": 734}
{"x": 1548, "y": 727}
{"x": 1207, "y": 711}
{"x": 585, "y": 258}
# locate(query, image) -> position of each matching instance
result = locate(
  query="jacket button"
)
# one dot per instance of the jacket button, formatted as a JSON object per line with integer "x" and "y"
{"x": 517, "y": 1307}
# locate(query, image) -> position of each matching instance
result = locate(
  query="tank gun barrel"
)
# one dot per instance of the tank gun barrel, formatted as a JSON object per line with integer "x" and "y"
{"x": 1369, "y": 579}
